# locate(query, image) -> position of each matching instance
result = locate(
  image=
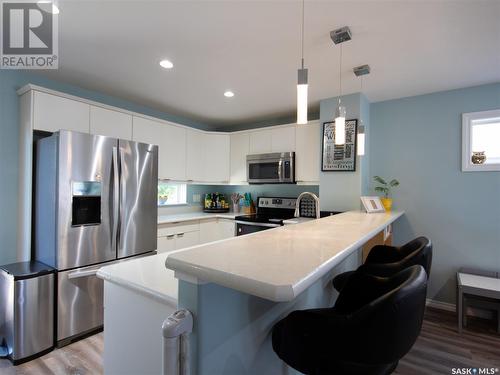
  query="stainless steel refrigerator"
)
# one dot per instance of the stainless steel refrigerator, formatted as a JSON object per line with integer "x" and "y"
{"x": 95, "y": 202}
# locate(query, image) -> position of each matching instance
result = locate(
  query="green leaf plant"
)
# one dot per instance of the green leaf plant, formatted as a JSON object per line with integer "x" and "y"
{"x": 385, "y": 187}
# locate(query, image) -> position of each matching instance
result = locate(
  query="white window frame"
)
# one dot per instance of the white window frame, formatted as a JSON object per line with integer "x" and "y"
{"x": 181, "y": 185}
{"x": 467, "y": 120}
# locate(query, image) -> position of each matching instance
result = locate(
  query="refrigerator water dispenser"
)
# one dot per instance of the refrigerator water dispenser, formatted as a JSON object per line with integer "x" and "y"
{"x": 86, "y": 203}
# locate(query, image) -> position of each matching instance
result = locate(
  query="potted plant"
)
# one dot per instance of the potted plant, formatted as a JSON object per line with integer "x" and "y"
{"x": 163, "y": 194}
{"x": 385, "y": 188}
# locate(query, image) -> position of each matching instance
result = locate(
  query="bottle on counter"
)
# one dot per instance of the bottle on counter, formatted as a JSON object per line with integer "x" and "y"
{"x": 208, "y": 200}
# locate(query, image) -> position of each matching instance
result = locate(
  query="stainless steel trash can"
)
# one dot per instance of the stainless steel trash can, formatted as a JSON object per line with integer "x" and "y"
{"x": 26, "y": 310}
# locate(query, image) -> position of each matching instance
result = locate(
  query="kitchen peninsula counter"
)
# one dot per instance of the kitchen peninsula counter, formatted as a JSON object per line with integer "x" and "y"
{"x": 280, "y": 263}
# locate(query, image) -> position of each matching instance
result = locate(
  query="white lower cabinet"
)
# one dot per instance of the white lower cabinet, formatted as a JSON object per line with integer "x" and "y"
{"x": 209, "y": 230}
{"x": 187, "y": 239}
{"x": 227, "y": 228}
{"x": 178, "y": 236}
{"x": 216, "y": 229}
{"x": 166, "y": 243}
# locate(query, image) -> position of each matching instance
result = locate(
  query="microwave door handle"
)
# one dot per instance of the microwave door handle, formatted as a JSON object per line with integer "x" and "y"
{"x": 116, "y": 199}
{"x": 280, "y": 170}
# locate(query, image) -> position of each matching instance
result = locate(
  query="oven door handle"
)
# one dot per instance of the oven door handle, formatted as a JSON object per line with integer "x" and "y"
{"x": 258, "y": 224}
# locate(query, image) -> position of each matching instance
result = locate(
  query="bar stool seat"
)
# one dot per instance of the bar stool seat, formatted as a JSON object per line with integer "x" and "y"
{"x": 385, "y": 261}
{"x": 374, "y": 323}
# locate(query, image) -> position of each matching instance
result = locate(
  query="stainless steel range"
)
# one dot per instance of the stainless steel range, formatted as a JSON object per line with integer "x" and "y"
{"x": 271, "y": 211}
{"x": 96, "y": 202}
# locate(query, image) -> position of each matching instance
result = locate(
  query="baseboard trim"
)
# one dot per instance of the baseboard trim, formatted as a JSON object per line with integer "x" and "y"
{"x": 440, "y": 305}
{"x": 475, "y": 312}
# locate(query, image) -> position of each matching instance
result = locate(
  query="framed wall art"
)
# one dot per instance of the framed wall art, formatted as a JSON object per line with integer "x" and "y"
{"x": 339, "y": 158}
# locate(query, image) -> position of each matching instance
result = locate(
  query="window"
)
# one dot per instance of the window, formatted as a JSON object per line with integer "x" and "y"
{"x": 171, "y": 193}
{"x": 481, "y": 141}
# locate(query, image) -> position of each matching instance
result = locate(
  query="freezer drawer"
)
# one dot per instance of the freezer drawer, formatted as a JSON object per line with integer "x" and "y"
{"x": 79, "y": 303}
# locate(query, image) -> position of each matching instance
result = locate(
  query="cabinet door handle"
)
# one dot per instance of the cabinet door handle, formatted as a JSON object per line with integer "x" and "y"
{"x": 180, "y": 234}
{"x": 170, "y": 237}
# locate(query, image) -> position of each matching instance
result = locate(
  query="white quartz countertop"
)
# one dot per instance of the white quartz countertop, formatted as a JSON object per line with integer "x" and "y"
{"x": 279, "y": 264}
{"x": 145, "y": 275}
{"x": 176, "y": 218}
{"x": 298, "y": 220}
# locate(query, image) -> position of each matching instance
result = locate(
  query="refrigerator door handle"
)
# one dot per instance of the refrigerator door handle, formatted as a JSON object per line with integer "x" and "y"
{"x": 78, "y": 274}
{"x": 116, "y": 199}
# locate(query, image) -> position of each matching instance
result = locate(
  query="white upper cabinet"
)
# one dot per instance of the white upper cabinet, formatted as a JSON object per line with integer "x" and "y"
{"x": 260, "y": 142}
{"x": 283, "y": 139}
{"x": 174, "y": 142}
{"x": 110, "y": 123}
{"x": 53, "y": 113}
{"x": 240, "y": 145}
{"x": 171, "y": 141}
{"x": 307, "y": 153}
{"x": 217, "y": 151}
{"x": 195, "y": 155}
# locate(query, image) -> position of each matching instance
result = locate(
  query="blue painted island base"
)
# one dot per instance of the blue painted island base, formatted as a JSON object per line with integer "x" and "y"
{"x": 232, "y": 330}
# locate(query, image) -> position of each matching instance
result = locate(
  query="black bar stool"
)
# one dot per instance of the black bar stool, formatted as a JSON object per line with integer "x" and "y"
{"x": 374, "y": 323}
{"x": 386, "y": 261}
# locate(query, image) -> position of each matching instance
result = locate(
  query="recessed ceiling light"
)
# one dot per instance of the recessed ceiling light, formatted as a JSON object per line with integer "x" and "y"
{"x": 45, "y": 6}
{"x": 229, "y": 94}
{"x": 167, "y": 64}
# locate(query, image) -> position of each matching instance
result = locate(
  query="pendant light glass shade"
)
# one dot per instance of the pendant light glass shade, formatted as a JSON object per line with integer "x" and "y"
{"x": 361, "y": 140}
{"x": 302, "y": 87}
{"x": 340, "y": 125}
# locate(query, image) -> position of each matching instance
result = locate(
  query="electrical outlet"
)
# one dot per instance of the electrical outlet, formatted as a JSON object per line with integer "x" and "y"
{"x": 196, "y": 198}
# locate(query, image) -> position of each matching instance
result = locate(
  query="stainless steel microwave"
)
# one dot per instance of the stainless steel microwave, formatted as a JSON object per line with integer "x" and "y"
{"x": 273, "y": 168}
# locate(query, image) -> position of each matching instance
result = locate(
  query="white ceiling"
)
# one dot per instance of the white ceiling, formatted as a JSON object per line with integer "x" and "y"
{"x": 253, "y": 48}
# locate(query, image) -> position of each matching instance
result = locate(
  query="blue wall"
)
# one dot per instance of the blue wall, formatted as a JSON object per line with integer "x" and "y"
{"x": 340, "y": 191}
{"x": 10, "y": 82}
{"x": 418, "y": 141}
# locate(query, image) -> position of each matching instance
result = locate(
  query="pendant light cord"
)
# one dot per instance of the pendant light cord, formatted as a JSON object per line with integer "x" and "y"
{"x": 340, "y": 73}
{"x": 302, "y": 45}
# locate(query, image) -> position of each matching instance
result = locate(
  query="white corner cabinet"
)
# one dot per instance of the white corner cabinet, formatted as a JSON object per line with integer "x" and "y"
{"x": 176, "y": 236}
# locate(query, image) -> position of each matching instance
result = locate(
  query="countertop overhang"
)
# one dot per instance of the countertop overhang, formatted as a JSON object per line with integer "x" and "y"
{"x": 279, "y": 264}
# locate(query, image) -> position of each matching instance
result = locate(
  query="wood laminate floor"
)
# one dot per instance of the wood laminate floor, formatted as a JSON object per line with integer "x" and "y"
{"x": 438, "y": 349}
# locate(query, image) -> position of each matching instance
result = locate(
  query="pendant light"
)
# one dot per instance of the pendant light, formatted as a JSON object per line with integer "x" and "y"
{"x": 360, "y": 71}
{"x": 340, "y": 111}
{"x": 340, "y": 36}
{"x": 302, "y": 85}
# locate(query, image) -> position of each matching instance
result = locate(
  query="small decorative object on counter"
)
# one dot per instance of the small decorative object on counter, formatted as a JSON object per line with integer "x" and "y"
{"x": 215, "y": 202}
{"x": 478, "y": 157}
{"x": 385, "y": 188}
{"x": 235, "y": 198}
{"x": 208, "y": 201}
{"x": 372, "y": 204}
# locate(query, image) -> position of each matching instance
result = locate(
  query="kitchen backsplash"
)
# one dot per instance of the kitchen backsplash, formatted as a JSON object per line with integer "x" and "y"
{"x": 256, "y": 191}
